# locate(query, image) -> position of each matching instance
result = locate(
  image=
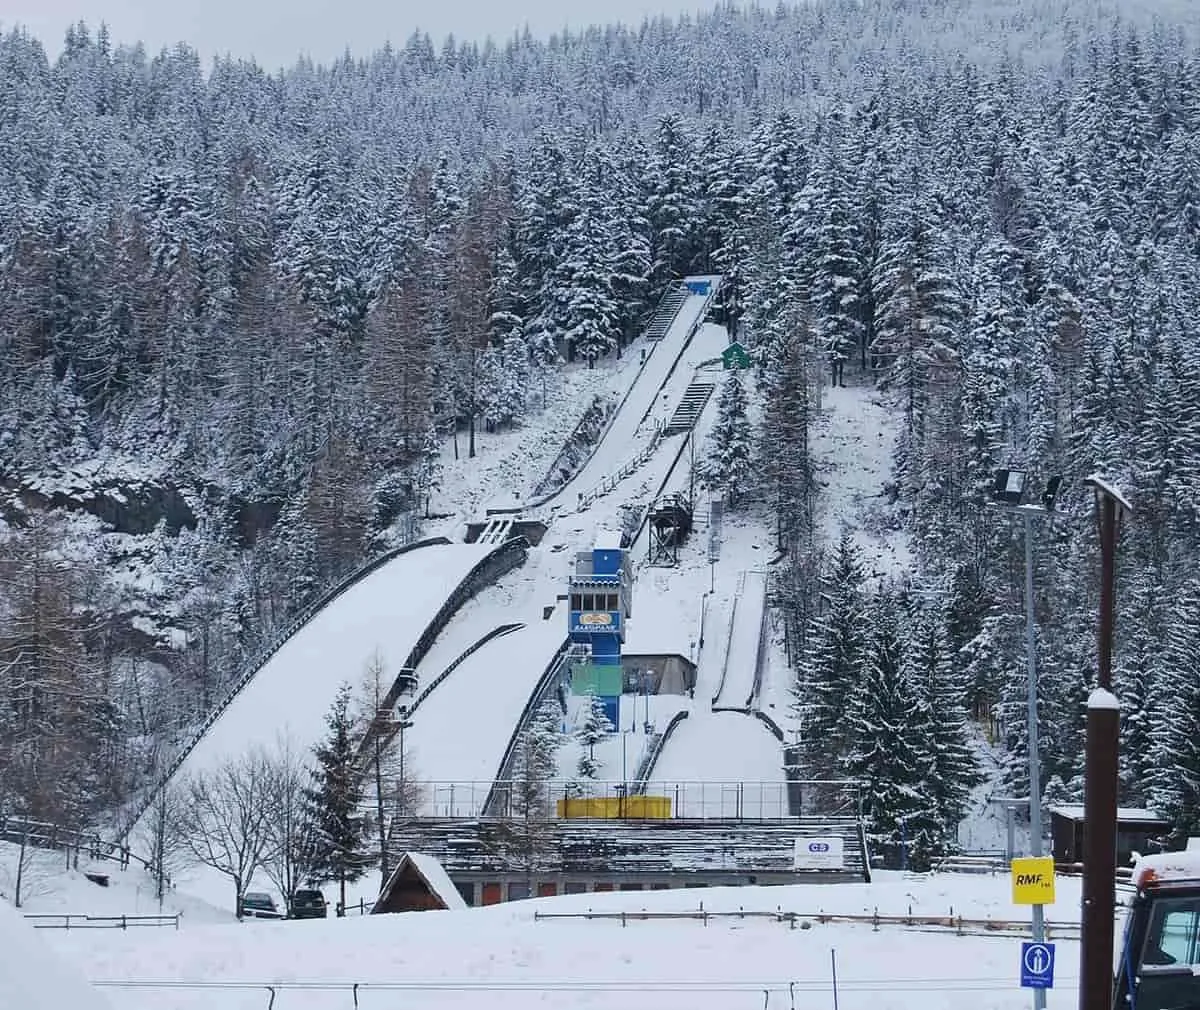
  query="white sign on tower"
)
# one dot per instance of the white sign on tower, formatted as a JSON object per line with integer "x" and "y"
{"x": 824, "y": 853}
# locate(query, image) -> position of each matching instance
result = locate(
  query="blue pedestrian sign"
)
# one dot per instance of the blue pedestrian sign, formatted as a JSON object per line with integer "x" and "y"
{"x": 1037, "y": 965}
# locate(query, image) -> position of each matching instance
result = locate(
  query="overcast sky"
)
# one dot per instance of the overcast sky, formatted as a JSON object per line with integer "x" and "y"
{"x": 274, "y": 31}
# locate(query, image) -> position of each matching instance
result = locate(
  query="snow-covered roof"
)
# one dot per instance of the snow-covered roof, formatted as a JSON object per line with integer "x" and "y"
{"x": 434, "y": 875}
{"x": 608, "y": 540}
{"x": 32, "y": 977}
{"x": 1128, "y": 815}
{"x": 1171, "y": 865}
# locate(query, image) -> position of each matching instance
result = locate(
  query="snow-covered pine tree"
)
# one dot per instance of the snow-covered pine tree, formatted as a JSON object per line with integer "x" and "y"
{"x": 429, "y": 470}
{"x": 333, "y": 803}
{"x": 531, "y": 788}
{"x": 514, "y": 378}
{"x": 886, "y": 753}
{"x": 951, "y": 768}
{"x": 1175, "y": 786}
{"x": 729, "y": 465}
{"x": 592, "y": 730}
{"x": 832, "y": 667}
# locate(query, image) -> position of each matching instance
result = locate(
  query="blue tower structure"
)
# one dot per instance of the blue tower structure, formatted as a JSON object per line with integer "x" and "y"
{"x": 600, "y": 595}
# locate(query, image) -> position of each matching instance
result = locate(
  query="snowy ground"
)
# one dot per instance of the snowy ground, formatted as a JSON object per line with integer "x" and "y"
{"x": 50, "y": 888}
{"x": 853, "y": 441}
{"x": 502, "y": 957}
{"x": 508, "y": 463}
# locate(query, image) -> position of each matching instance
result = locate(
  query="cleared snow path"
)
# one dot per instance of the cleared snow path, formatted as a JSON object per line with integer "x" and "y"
{"x": 738, "y": 678}
{"x": 383, "y": 614}
{"x": 619, "y": 442}
{"x": 721, "y": 764}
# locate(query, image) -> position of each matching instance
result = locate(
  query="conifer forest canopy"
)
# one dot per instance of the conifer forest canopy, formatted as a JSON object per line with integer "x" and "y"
{"x": 236, "y": 306}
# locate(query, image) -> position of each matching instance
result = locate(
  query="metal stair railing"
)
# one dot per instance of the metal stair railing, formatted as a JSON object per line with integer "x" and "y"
{"x": 265, "y": 656}
{"x": 628, "y": 468}
{"x": 665, "y": 312}
{"x": 690, "y": 407}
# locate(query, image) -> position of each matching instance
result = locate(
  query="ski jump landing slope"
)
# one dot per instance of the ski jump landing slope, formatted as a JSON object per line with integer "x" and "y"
{"x": 617, "y": 441}
{"x": 738, "y": 678}
{"x": 721, "y": 764}
{"x": 383, "y": 614}
{"x": 461, "y": 729}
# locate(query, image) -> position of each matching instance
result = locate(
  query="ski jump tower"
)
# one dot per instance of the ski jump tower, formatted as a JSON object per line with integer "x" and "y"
{"x": 600, "y": 596}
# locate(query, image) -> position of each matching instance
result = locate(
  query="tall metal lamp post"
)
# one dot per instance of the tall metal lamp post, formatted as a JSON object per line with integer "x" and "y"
{"x": 1009, "y": 494}
{"x": 1100, "y": 772}
{"x": 387, "y": 720}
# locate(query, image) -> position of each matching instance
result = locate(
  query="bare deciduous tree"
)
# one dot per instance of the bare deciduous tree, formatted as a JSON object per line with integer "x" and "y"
{"x": 164, "y": 834}
{"x": 287, "y": 855}
{"x": 228, "y": 822}
{"x": 384, "y": 757}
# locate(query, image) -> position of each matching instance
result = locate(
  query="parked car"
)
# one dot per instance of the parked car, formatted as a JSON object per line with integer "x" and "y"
{"x": 307, "y": 905}
{"x": 258, "y": 905}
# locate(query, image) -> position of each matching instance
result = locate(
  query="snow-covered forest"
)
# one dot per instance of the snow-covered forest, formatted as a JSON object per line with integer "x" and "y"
{"x": 240, "y": 308}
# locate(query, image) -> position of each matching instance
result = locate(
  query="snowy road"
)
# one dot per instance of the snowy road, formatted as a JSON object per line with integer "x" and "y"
{"x": 620, "y": 441}
{"x": 383, "y": 614}
{"x": 741, "y": 657}
{"x": 721, "y": 764}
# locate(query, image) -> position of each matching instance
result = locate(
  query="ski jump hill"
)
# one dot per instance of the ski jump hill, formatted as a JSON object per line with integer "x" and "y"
{"x": 478, "y": 627}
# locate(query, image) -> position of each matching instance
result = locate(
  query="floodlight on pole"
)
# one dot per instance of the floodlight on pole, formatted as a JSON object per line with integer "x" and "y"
{"x": 1009, "y": 491}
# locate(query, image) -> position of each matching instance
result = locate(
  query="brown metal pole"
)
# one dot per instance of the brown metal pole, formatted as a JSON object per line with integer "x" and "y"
{"x": 1099, "y": 852}
{"x": 1108, "y": 558}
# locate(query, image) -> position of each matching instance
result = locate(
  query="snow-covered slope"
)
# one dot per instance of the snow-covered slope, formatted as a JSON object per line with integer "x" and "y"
{"x": 33, "y": 976}
{"x": 460, "y": 732}
{"x": 853, "y": 440}
{"x": 721, "y": 764}
{"x": 382, "y": 615}
{"x": 620, "y": 440}
{"x": 741, "y": 658}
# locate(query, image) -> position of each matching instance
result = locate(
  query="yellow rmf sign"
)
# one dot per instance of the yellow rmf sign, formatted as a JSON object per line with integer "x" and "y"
{"x": 1033, "y": 881}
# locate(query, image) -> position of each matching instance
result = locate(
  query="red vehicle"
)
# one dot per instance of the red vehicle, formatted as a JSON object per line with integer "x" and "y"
{"x": 1159, "y": 963}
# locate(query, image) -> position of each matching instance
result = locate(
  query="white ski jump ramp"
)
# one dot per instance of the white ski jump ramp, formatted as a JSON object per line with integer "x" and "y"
{"x": 615, "y": 444}
{"x": 383, "y": 614}
{"x": 720, "y": 762}
{"x": 741, "y": 658}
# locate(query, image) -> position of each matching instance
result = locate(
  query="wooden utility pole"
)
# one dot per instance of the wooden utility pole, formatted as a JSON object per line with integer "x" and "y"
{"x": 1100, "y": 775}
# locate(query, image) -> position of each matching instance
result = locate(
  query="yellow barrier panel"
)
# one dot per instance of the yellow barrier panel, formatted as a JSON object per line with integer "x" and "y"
{"x": 616, "y": 807}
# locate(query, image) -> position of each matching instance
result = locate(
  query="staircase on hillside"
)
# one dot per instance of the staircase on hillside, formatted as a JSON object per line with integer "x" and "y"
{"x": 664, "y": 315}
{"x": 496, "y": 531}
{"x": 688, "y": 411}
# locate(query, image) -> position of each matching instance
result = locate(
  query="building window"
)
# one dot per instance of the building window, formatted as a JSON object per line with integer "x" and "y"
{"x": 467, "y": 891}
{"x": 576, "y": 601}
{"x": 518, "y": 891}
{"x": 575, "y": 887}
{"x": 589, "y": 601}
